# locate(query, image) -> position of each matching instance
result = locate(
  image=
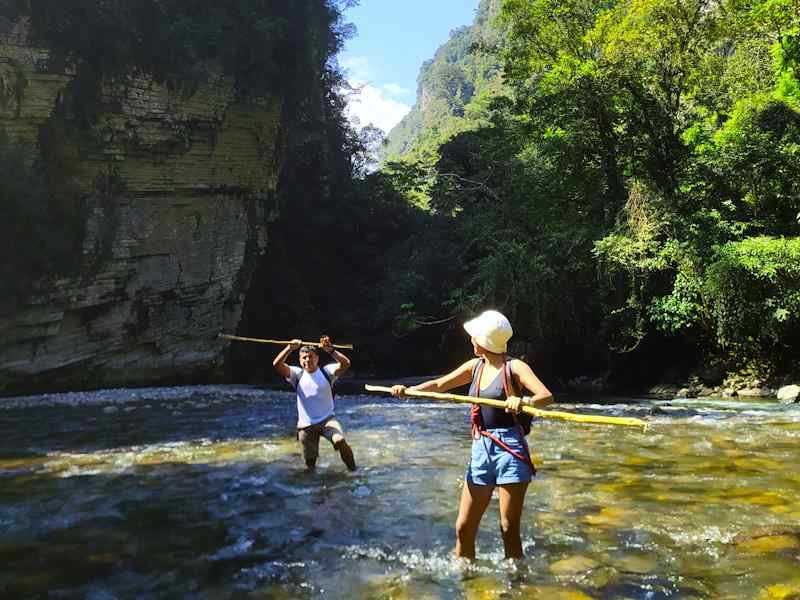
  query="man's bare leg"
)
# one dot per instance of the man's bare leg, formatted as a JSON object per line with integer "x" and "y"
{"x": 346, "y": 452}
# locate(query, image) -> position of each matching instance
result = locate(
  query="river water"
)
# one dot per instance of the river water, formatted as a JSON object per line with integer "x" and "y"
{"x": 199, "y": 492}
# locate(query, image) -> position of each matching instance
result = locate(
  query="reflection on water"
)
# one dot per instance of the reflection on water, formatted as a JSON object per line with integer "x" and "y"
{"x": 200, "y": 492}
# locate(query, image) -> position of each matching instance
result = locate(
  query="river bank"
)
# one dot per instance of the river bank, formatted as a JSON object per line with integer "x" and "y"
{"x": 580, "y": 389}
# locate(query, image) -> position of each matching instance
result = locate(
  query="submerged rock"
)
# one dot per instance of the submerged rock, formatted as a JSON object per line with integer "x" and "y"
{"x": 781, "y": 591}
{"x": 555, "y": 593}
{"x": 608, "y": 516}
{"x": 573, "y": 565}
{"x": 767, "y": 540}
{"x": 637, "y": 563}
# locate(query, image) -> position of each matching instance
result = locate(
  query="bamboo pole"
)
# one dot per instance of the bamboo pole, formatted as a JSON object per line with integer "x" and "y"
{"x": 536, "y": 412}
{"x": 238, "y": 338}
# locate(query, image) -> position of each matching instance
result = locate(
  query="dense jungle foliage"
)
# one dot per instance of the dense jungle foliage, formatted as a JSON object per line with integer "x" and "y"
{"x": 620, "y": 178}
{"x": 633, "y": 184}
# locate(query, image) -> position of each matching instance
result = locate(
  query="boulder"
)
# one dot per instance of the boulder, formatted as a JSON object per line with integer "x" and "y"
{"x": 788, "y": 394}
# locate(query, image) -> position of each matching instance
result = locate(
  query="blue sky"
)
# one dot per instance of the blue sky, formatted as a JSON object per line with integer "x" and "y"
{"x": 394, "y": 39}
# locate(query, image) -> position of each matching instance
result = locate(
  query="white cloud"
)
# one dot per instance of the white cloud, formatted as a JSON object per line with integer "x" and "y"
{"x": 356, "y": 67}
{"x": 396, "y": 89}
{"x": 370, "y": 105}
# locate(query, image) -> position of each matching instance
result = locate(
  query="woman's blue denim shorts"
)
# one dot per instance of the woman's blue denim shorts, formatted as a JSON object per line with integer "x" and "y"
{"x": 490, "y": 464}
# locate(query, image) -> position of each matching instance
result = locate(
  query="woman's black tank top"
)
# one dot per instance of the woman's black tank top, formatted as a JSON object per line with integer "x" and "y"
{"x": 493, "y": 418}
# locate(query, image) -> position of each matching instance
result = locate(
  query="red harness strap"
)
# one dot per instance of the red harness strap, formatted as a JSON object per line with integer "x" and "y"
{"x": 477, "y": 421}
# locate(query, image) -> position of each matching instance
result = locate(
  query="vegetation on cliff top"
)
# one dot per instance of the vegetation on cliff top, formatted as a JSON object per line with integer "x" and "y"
{"x": 277, "y": 48}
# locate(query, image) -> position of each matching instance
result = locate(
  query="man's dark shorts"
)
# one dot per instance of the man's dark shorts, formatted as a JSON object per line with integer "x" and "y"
{"x": 309, "y": 436}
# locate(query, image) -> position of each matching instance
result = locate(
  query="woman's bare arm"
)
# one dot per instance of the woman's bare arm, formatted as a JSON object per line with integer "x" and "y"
{"x": 459, "y": 376}
{"x": 528, "y": 379}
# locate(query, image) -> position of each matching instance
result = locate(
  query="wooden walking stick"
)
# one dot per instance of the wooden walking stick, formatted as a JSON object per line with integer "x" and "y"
{"x": 238, "y": 338}
{"x": 536, "y": 412}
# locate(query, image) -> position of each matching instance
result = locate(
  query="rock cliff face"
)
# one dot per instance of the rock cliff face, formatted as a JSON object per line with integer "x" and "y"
{"x": 176, "y": 186}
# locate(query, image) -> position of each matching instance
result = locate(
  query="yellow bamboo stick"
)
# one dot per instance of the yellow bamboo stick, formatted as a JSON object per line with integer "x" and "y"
{"x": 238, "y": 338}
{"x": 536, "y": 412}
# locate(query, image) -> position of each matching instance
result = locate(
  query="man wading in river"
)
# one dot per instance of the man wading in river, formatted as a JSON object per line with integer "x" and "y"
{"x": 314, "y": 386}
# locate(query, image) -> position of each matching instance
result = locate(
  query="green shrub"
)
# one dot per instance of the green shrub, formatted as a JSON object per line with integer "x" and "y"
{"x": 754, "y": 290}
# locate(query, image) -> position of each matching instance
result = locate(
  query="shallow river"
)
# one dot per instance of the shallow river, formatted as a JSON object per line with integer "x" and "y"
{"x": 200, "y": 493}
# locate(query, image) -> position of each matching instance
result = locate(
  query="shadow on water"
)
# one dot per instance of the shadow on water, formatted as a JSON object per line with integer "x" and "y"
{"x": 172, "y": 528}
{"x": 94, "y": 421}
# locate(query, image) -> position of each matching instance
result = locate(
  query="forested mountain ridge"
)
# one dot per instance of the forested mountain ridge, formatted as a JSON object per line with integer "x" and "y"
{"x": 630, "y": 195}
{"x": 453, "y": 87}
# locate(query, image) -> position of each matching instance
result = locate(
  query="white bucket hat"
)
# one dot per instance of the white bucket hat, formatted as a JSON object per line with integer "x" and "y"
{"x": 490, "y": 330}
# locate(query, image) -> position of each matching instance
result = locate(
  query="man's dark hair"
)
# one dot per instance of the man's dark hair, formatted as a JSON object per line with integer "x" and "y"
{"x": 309, "y": 349}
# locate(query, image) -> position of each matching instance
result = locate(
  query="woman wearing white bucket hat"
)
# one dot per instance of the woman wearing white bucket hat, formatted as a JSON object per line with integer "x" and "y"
{"x": 500, "y": 456}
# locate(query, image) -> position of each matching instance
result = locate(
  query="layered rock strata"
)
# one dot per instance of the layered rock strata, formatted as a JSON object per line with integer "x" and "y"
{"x": 176, "y": 184}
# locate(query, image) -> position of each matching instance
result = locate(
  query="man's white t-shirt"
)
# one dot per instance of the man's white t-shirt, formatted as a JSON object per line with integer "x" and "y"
{"x": 314, "y": 394}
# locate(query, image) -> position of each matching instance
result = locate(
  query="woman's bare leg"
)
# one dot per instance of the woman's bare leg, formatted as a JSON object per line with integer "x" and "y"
{"x": 512, "y": 498}
{"x": 474, "y": 500}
